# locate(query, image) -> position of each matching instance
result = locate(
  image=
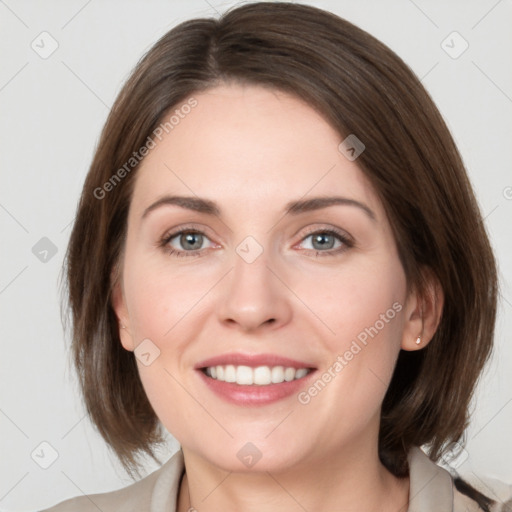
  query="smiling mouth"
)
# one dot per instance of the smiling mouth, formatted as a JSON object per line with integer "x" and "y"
{"x": 259, "y": 376}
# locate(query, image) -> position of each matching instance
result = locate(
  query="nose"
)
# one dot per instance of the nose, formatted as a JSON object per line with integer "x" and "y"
{"x": 253, "y": 297}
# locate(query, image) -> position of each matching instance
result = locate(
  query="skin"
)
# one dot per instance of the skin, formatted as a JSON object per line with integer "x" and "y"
{"x": 252, "y": 150}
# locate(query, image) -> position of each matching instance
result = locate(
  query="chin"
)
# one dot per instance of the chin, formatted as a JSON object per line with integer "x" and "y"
{"x": 252, "y": 456}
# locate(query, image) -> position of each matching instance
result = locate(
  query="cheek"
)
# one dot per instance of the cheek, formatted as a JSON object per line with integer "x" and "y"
{"x": 360, "y": 300}
{"x": 161, "y": 295}
{"x": 361, "y": 307}
{"x": 164, "y": 303}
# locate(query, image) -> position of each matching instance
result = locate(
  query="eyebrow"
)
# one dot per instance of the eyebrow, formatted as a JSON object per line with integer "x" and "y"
{"x": 208, "y": 207}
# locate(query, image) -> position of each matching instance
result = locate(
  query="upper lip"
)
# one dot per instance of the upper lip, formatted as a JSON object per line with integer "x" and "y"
{"x": 252, "y": 360}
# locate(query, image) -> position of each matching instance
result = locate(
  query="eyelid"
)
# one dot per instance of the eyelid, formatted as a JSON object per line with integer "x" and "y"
{"x": 326, "y": 228}
{"x": 197, "y": 228}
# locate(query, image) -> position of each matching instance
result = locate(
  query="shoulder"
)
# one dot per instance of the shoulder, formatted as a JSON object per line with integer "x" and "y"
{"x": 434, "y": 488}
{"x": 134, "y": 497}
{"x": 482, "y": 494}
{"x": 157, "y": 491}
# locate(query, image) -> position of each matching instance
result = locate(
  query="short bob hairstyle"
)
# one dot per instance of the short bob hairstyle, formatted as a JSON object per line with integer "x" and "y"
{"x": 360, "y": 87}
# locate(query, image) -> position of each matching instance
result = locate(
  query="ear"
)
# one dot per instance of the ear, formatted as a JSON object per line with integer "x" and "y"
{"x": 119, "y": 305}
{"x": 423, "y": 312}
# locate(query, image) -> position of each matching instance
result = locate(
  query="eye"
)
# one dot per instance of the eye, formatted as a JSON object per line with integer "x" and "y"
{"x": 327, "y": 242}
{"x": 185, "y": 242}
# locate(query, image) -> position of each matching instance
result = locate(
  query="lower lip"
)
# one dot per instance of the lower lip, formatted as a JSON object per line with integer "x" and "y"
{"x": 254, "y": 394}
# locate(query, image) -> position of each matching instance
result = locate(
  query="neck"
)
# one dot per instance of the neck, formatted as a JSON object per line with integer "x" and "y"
{"x": 348, "y": 480}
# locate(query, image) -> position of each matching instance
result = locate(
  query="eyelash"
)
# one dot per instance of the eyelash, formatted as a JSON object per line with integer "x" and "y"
{"x": 343, "y": 238}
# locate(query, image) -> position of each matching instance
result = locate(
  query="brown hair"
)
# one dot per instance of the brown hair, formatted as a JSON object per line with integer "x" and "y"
{"x": 360, "y": 87}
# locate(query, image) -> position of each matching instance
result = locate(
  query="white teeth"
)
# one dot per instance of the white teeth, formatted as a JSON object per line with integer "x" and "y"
{"x": 302, "y": 372}
{"x": 244, "y": 375}
{"x": 261, "y": 376}
{"x": 277, "y": 374}
{"x": 230, "y": 373}
{"x": 289, "y": 374}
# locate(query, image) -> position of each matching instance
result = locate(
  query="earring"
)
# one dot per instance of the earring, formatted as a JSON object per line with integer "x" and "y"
{"x": 418, "y": 340}
{"x": 123, "y": 326}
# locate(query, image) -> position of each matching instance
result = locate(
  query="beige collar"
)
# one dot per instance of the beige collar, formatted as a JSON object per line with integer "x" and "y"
{"x": 431, "y": 487}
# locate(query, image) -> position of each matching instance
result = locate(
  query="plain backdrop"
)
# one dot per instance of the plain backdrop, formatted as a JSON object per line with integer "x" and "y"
{"x": 52, "y": 110}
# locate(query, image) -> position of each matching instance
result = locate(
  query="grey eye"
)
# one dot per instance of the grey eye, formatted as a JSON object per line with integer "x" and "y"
{"x": 190, "y": 241}
{"x": 322, "y": 240}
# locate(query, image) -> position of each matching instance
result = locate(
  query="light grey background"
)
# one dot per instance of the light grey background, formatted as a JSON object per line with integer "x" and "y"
{"x": 52, "y": 112}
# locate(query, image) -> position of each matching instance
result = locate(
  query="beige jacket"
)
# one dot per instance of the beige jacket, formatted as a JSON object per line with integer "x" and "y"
{"x": 431, "y": 489}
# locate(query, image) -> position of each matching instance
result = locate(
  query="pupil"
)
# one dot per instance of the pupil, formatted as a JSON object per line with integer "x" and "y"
{"x": 321, "y": 239}
{"x": 192, "y": 240}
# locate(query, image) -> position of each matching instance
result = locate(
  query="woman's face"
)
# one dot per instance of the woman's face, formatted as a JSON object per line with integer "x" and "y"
{"x": 263, "y": 276}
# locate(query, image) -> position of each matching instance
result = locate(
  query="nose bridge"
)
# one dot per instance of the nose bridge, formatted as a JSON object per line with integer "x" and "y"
{"x": 253, "y": 296}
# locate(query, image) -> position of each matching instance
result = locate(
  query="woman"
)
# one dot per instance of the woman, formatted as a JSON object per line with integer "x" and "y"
{"x": 270, "y": 259}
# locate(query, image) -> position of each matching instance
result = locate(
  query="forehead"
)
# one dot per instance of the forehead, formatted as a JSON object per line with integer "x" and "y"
{"x": 245, "y": 145}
